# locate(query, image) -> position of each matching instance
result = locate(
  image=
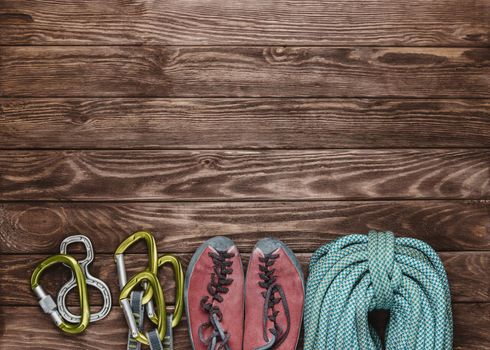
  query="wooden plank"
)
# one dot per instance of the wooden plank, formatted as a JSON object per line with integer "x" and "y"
{"x": 282, "y": 22}
{"x": 244, "y": 175}
{"x": 156, "y": 71}
{"x": 471, "y": 322}
{"x": 38, "y": 228}
{"x": 242, "y": 123}
{"x": 41, "y": 334}
{"x": 470, "y": 330}
{"x": 468, "y": 273}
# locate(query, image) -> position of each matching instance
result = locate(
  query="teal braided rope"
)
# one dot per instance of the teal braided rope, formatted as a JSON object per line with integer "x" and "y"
{"x": 356, "y": 274}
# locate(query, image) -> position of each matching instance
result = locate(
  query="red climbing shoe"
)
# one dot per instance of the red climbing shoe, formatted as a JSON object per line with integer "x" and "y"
{"x": 214, "y": 296}
{"x": 274, "y": 298}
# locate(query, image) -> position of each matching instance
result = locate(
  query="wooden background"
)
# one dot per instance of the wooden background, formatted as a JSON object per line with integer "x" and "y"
{"x": 302, "y": 119}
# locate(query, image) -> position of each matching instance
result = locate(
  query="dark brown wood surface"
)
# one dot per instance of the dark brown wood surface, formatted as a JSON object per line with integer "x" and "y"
{"x": 303, "y": 120}
{"x": 239, "y": 71}
{"x": 214, "y": 123}
{"x": 193, "y": 22}
{"x": 39, "y": 227}
{"x": 245, "y": 175}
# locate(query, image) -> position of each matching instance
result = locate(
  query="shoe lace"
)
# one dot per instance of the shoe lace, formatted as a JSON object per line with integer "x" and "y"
{"x": 216, "y": 288}
{"x": 273, "y": 295}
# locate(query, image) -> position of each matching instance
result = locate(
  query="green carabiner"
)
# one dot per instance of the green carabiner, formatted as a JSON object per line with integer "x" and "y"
{"x": 152, "y": 259}
{"x": 46, "y": 301}
{"x": 151, "y": 279}
{"x": 179, "y": 289}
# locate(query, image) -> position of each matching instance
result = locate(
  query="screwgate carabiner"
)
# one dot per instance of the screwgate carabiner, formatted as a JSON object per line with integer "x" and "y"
{"x": 179, "y": 290}
{"x": 151, "y": 279}
{"x": 152, "y": 259}
{"x": 91, "y": 281}
{"x": 46, "y": 301}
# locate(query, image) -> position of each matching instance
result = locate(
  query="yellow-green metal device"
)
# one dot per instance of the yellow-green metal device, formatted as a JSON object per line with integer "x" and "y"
{"x": 179, "y": 290}
{"x": 46, "y": 301}
{"x": 151, "y": 279}
{"x": 152, "y": 259}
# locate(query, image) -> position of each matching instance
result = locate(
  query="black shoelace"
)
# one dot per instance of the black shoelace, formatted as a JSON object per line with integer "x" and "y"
{"x": 216, "y": 288}
{"x": 272, "y": 289}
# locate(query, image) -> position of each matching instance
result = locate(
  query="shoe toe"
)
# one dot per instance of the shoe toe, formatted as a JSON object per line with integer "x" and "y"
{"x": 269, "y": 245}
{"x": 220, "y": 243}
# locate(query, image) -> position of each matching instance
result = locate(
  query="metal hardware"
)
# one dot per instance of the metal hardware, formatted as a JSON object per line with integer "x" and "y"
{"x": 179, "y": 292}
{"x": 91, "y": 281}
{"x": 156, "y": 316}
{"x": 154, "y": 285}
{"x": 172, "y": 319}
{"x": 152, "y": 259}
{"x": 46, "y": 301}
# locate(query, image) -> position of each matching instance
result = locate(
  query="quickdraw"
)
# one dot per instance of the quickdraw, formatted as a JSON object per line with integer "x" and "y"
{"x": 173, "y": 319}
{"x": 132, "y": 301}
{"x": 80, "y": 277}
{"x": 160, "y": 302}
{"x": 179, "y": 290}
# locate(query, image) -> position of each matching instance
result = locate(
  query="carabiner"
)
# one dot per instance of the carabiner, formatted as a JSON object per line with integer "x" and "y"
{"x": 91, "y": 281}
{"x": 152, "y": 259}
{"x": 151, "y": 279}
{"x": 46, "y": 301}
{"x": 179, "y": 290}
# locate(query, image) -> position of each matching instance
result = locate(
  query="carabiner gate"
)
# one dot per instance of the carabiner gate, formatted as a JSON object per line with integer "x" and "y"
{"x": 46, "y": 301}
{"x": 152, "y": 259}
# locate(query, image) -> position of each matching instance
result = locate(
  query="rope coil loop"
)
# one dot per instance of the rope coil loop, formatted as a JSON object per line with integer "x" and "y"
{"x": 356, "y": 274}
{"x": 381, "y": 264}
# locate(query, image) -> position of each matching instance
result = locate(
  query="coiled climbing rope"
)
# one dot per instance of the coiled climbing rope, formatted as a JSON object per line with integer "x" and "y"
{"x": 356, "y": 274}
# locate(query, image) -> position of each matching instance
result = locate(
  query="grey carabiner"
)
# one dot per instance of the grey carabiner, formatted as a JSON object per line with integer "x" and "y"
{"x": 91, "y": 281}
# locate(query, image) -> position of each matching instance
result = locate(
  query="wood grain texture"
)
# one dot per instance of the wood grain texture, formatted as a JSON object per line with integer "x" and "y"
{"x": 72, "y": 123}
{"x": 282, "y": 22}
{"x": 468, "y": 273}
{"x": 37, "y": 228}
{"x": 244, "y": 175}
{"x": 58, "y": 71}
{"x": 470, "y": 330}
{"x": 471, "y": 333}
{"x": 110, "y": 333}
{"x": 301, "y": 119}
